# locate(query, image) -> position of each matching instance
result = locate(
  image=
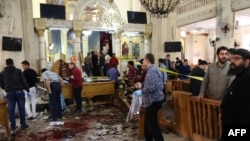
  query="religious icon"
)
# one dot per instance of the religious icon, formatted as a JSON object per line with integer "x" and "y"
{"x": 125, "y": 49}
{"x": 135, "y": 49}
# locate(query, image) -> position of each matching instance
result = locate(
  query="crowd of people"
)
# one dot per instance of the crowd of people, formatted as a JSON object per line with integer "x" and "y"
{"x": 225, "y": 80}
{"x": 21, "y": 90}
{"x": 97, "y": 64}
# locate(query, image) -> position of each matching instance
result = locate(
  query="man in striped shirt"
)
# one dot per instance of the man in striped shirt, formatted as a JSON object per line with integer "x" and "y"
{"x": 52, "y": 82}
{"x": 152, "y": 98}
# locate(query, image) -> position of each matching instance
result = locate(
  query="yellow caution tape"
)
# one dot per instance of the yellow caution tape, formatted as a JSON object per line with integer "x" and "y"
{"x": 172, "y": 72}
{"x": 126, "y": 57}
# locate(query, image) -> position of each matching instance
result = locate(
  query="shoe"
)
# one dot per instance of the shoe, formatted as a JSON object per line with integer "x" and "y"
{"x": 17, "y": 116}
{"x": 52, "y": 119}
{"x": 77, "y": 111}
{"x": 13, "y": 132}
{"x": 61, "y": 118}
{"x": 30, "y": 118}
{"x": 24, "y": 127}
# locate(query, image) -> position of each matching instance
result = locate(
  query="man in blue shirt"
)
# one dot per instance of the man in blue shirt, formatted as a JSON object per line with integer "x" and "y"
{"x": 152, "y": 97}
{"x": 113, "y": 73}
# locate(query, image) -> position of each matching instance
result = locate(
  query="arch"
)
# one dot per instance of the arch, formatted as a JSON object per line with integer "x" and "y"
{"x": 84, "y": 3}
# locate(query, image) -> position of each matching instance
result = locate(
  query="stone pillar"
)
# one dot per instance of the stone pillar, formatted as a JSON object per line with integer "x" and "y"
{"x": 118, "y": 44}
{"x": 147, "y": 35}
{"x": 130, "y": 43}
{"x": 64, "y": 43}
{"x": 146, "y": 45}
{"x": 29, "y": 34}
{"x": 225, "y": 16}
{"x": 40, "y": 28}
{"x": 77, "y": 28}
{"x": 142, "y": 51}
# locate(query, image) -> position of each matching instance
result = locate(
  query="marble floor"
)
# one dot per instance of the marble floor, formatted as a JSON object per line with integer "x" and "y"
{"x": 99, "y": 123}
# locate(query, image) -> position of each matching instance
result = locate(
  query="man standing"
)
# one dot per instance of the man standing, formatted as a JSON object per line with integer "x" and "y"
{"x": 13, "y": 82}
{"x": 113, "y": 74}
{"x": 199, "y": 71}
{"x": 101, "y": 65}
{"x": 88, "y": 65}
{"x": 130, "y": 76}
{"x": 94, "y": 58}
{"x": 77, "y": 86}
{"x": 235, "y": 105}
{"x": 165, "y": 77}
{"x": 30, "y": 98}
{"x": 152, "y": 97}
{"x": 113, "y": 60}
{"x": 167, "y": 61}
{"x": 52, "y": 82}
{"x": 64, "y": 71}
{"x": 184, "y": 69}
{"x": 216, "y": 79}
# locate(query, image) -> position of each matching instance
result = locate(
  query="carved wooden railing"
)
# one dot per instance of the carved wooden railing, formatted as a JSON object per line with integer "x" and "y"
{"x": 196, "y": 120}
{"x": 177, "y": 85}
{"x": 206, "y": 121}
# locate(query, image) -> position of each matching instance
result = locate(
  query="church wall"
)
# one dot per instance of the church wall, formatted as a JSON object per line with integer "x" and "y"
{"x": 11, "y": 26}
{"x": 36, "y": 7}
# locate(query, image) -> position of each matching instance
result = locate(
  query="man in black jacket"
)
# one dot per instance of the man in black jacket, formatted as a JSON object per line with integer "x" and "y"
{"x": 195, "y": 85}
{"x": 235, "y": 105}
{"x": 13, "y": 82}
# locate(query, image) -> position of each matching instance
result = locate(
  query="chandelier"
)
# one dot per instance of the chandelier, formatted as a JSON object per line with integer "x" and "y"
{"x": 111, "y": 19}
{"x": 160, "y": 8}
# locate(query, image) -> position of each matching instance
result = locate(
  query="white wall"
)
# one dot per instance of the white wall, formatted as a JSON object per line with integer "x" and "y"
{"x": 36, "y": 7}
{"x": 13, "y": 15}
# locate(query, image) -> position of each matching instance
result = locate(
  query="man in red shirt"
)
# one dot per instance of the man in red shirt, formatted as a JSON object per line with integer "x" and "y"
{"x": 77, "y": 86}
{"x": 113, "y": 60}
{"x": 131, "y": 73}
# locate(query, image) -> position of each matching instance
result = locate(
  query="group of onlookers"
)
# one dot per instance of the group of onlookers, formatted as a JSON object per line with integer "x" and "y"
{"x": 98, "y": 64}
{"x": 226, "y": 80}
{"x": 21, "y": 90}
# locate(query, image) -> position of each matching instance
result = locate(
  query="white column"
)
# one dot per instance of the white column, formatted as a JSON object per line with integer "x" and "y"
{"x": 118, "y": 46}
{"x": 64, "y": 43}
{"x": 42, "y": 49}
{"x": 224, "y": 16}
{"x": 76, "y": 51}
{"x": 146, "y": 46}
{"x": 142, "y": 47}
{"x": 114, "y": 46}
{"x": 130, "y": 46}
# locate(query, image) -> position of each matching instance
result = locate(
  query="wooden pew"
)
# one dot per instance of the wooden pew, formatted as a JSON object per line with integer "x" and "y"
{"x": 90, "y": 90}
{"x": 98, "y": 89}
{"x": 177, "y": 85}
{"x": 196, "y": 120}
{"x": 4, "y": 116}
{"x": 205, "y": 113}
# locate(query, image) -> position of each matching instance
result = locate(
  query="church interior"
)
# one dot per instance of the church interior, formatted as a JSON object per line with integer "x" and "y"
{"x": 46, "y": 31}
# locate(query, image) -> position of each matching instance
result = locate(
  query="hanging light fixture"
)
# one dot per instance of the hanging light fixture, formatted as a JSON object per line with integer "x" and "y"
{"x": 111, "y": 19}
{"x": 160, "y": 8}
